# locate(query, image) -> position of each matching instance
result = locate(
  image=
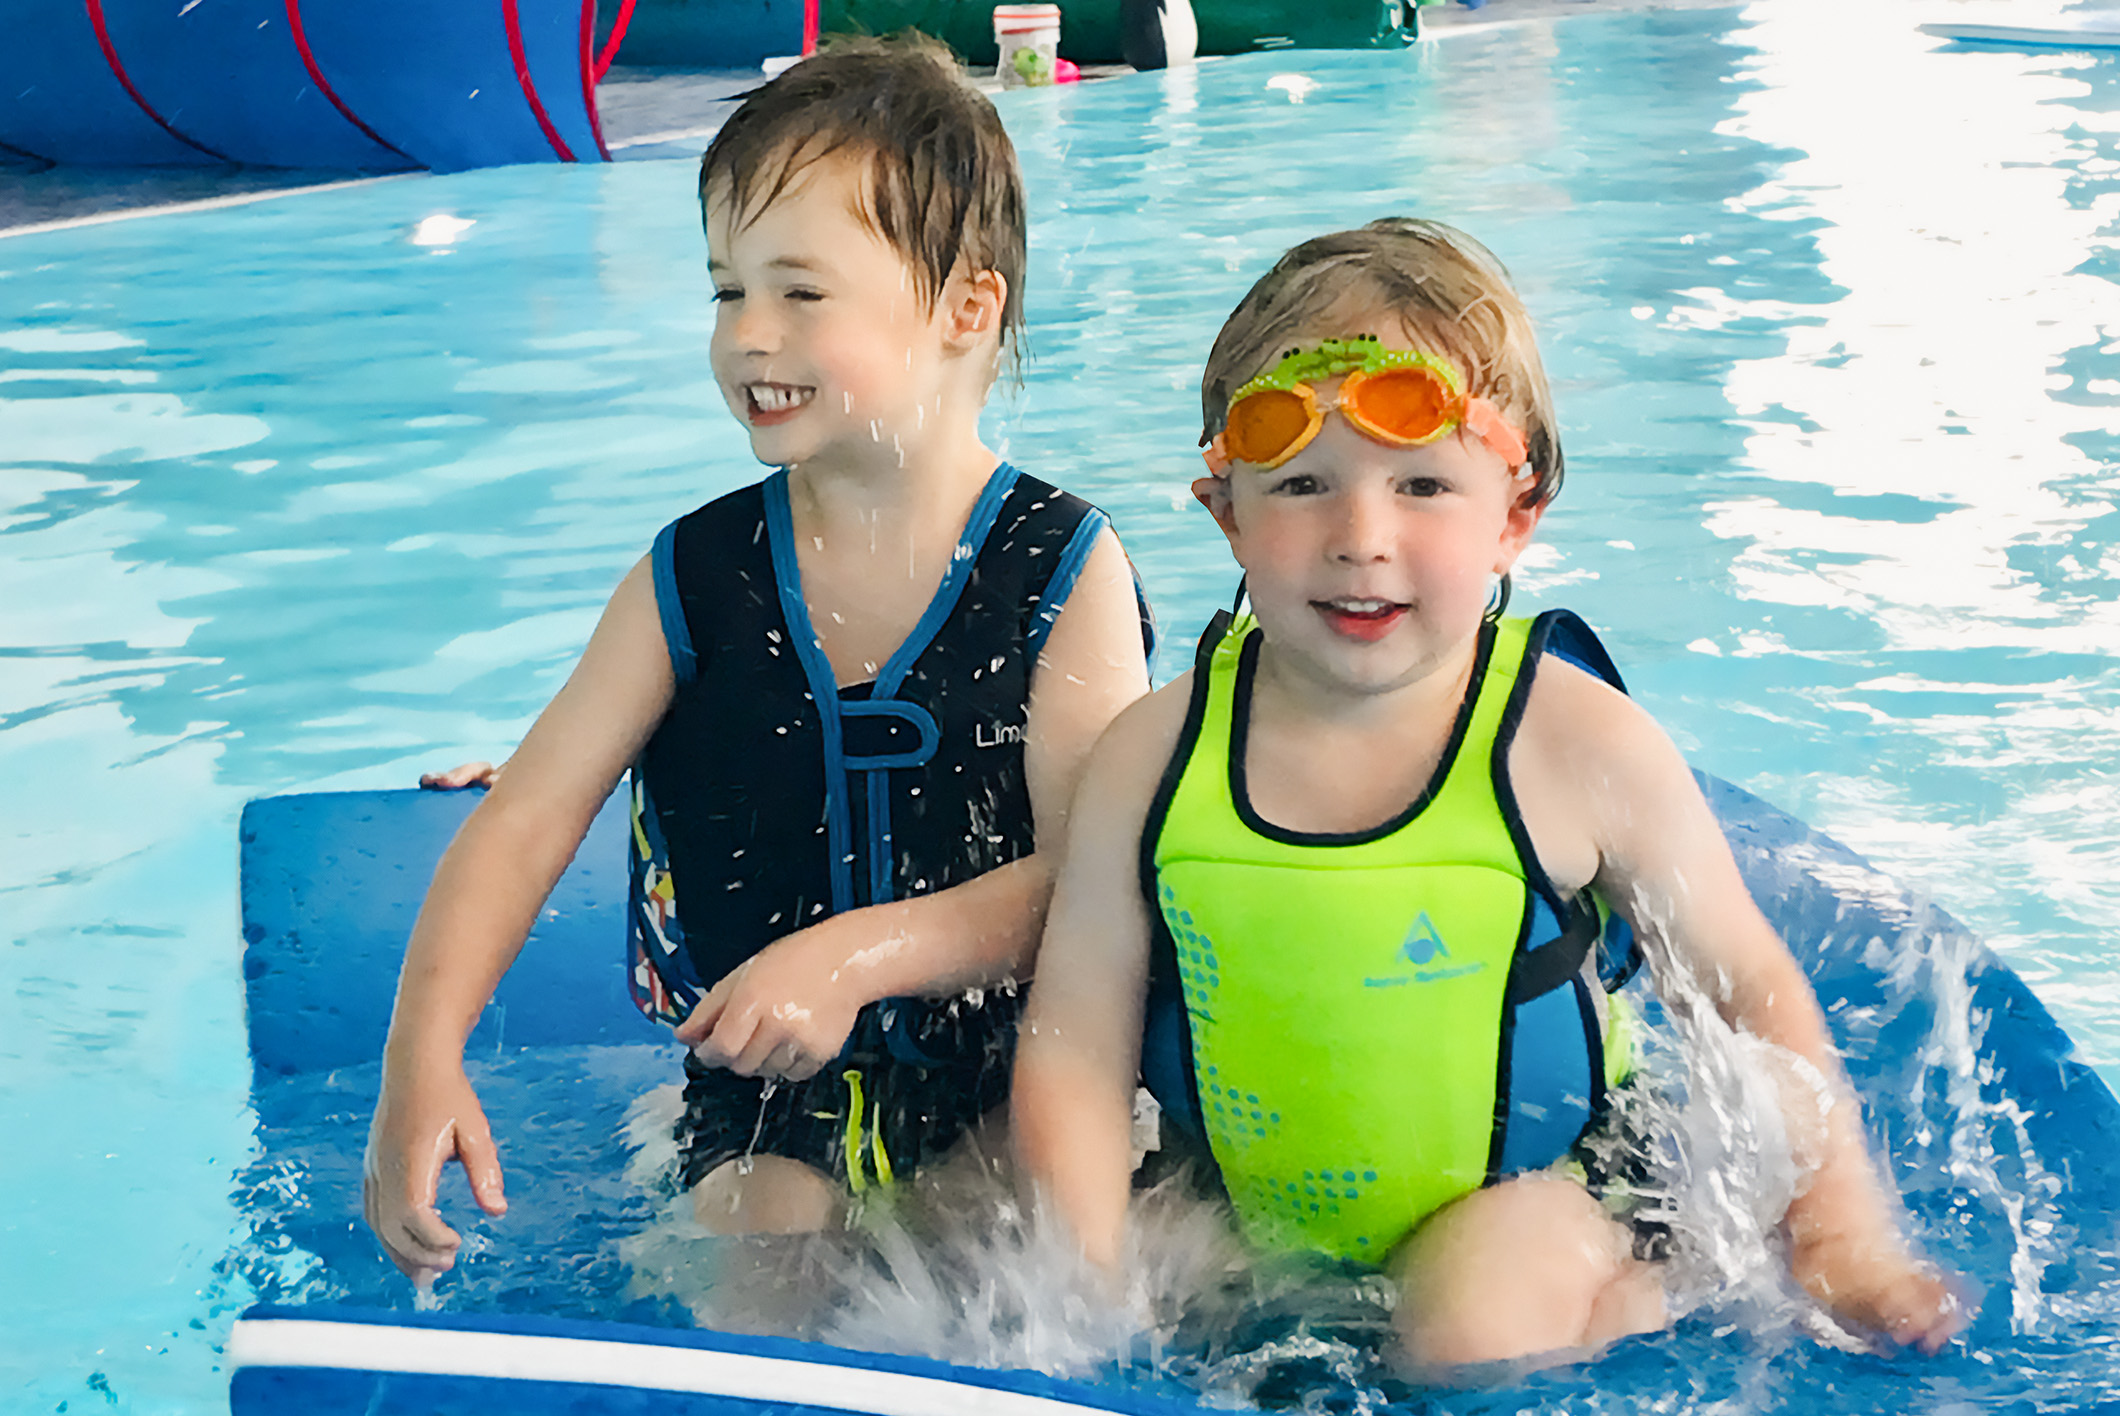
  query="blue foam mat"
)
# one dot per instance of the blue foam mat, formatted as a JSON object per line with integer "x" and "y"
{"x": 331, "y": 884}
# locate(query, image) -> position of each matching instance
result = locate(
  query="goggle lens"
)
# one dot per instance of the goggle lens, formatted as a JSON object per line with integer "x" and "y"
{"x": 1270, "y": 426}
{"x": 1404, "y": 406}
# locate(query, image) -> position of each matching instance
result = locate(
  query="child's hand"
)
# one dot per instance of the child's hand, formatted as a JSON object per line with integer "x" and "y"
{"x": 419, "y": 1125}
{"x": 785, "y": 1012}
{"x": 1874, "y": 1284}
{"x": 469, "y": 774}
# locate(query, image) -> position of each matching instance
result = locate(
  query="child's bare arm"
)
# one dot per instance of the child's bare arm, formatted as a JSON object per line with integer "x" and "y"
{"x": 787, "y": 1011}
{"x": 1071, "y": 1110}
{"x": 1660, "y": 857}
{"x": 486, "y": 893}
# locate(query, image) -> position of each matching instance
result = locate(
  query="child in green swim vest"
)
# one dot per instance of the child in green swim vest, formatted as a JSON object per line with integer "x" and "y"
{"x": 1354, "y": 851}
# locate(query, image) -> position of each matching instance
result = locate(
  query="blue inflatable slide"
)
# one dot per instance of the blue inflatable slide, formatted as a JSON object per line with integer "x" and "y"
{"x": 330, "y": 886}
{"x": 365, "y": 85}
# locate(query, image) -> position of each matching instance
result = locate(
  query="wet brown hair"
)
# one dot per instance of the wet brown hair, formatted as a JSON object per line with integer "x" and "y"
{"x": 1449, "y": 290}
{"x": 943, "y": 183}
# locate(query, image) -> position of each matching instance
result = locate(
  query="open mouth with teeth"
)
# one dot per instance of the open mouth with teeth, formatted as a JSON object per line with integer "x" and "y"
{"x": 768, "y": 403}
{"x": 1366, "y": 620}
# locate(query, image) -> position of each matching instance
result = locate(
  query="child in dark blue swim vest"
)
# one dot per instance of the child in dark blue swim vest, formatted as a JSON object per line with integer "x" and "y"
{"x": 1344, "y": 868}
{"x": 854, "y": 698}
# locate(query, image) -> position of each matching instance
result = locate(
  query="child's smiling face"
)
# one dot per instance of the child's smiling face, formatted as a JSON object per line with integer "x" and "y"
{"x": 1370, "y": 566}
{"x": 822, "y": 342}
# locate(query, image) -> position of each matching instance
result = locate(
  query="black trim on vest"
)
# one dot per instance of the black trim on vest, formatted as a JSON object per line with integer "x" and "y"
{"x": 1563, "y": 634}
{"x": 1188, "y": 739}
{"x": 1504, "y": 737}
{"x": 1587, "y": 1010}
{"x": 1240, "y": 738}
{"x": 1553, "y": 963}
{"x": 1505, "y": 1048}
{"x": 1535, "y": 972}
{"x": 1164, "y": 989}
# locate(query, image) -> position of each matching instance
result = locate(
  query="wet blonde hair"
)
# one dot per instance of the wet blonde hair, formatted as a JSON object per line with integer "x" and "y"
{"x": 1450, "y": 291}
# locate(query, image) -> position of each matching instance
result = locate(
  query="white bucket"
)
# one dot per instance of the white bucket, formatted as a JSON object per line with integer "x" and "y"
{"x": 1029, "y": 39}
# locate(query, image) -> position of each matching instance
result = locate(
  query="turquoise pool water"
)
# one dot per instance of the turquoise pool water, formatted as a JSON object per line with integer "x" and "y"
{"x": 290, "y": 500}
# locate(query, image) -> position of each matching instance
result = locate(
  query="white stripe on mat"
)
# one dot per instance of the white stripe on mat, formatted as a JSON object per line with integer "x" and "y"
{"x": 369, "y": 1347}
{"x": 2096, "y": 32}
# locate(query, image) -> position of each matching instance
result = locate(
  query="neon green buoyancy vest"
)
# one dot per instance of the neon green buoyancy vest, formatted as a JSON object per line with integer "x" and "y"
{"x": 1374, "y": 1028}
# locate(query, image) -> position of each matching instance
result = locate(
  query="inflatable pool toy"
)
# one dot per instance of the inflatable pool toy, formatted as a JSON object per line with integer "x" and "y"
{"x": 2097, "y": 30}
{"x": 374, "y": 85}
{"x": 330, "y": 884}
{"x": 400, "y": 85}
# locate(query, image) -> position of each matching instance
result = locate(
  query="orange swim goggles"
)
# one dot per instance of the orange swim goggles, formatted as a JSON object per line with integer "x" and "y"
{"x": 1398, "y": 397}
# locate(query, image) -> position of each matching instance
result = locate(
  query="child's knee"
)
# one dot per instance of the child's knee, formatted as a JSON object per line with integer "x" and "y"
{"x": 1527, "y": 1266}
{"x": 765, "y": 1194}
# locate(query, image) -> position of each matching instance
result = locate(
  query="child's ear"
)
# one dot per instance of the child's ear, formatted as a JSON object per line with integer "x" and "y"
{"x": 1213, "y": 493}
{"x": 1523, "y": 520}
{"x": 972, "y": 306}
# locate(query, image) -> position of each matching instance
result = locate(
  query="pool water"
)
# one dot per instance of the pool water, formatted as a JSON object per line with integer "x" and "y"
{"x": 311, "y": 494}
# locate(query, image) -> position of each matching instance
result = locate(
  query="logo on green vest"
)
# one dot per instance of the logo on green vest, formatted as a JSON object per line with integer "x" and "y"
{"x": 1430, "y": 956}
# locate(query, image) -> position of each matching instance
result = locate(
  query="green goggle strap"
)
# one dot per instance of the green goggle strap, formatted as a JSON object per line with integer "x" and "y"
{"x": 1363, "y": 354}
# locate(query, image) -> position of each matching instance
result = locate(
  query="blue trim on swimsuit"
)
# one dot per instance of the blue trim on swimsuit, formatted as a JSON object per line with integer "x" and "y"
{"x": 824, "y": 687}
{"x": 824, "y": 684}
{"x": 662, "y": 564}
{"x": 1073, "y": 556}
{"x": 985, "y": 512}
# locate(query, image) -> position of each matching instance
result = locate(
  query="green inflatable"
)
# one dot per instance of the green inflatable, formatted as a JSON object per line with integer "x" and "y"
{"x": 1089, "y": 29}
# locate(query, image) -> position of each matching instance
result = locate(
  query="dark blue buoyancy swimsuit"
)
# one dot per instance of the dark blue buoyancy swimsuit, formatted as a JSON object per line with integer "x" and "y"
{"x": 770, "y": 798}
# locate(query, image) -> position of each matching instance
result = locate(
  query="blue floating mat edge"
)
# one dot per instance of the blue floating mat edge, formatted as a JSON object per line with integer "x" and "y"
{"x": 328, "y": 1361}
{"x": 2103, "y": 33}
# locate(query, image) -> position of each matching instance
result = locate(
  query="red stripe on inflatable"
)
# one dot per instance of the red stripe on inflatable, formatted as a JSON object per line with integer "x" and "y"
{"x": 605, "y": 59}
{"x": 590, "y": 73}
{"x": 316, "y": 76}
{"x": 809, "y": 26}
{"x": 522, "y": 77}
{"x": 110, "y": 57}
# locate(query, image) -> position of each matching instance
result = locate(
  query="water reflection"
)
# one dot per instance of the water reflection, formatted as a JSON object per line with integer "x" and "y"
{"x": 1953, "y": 400}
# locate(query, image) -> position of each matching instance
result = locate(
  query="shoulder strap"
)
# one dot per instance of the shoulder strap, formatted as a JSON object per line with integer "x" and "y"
{"x": 1564, "y": 635}
{"x": 1051, "y": 597}
{"x": 693, "y": 563}
{"x": 669, "y": 608}
{"x": 1083, "y": 524}
{"x": 1557, "y": 960}
{"x": 1166, "y": 1056}
{"x": 1188, "y": 739}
